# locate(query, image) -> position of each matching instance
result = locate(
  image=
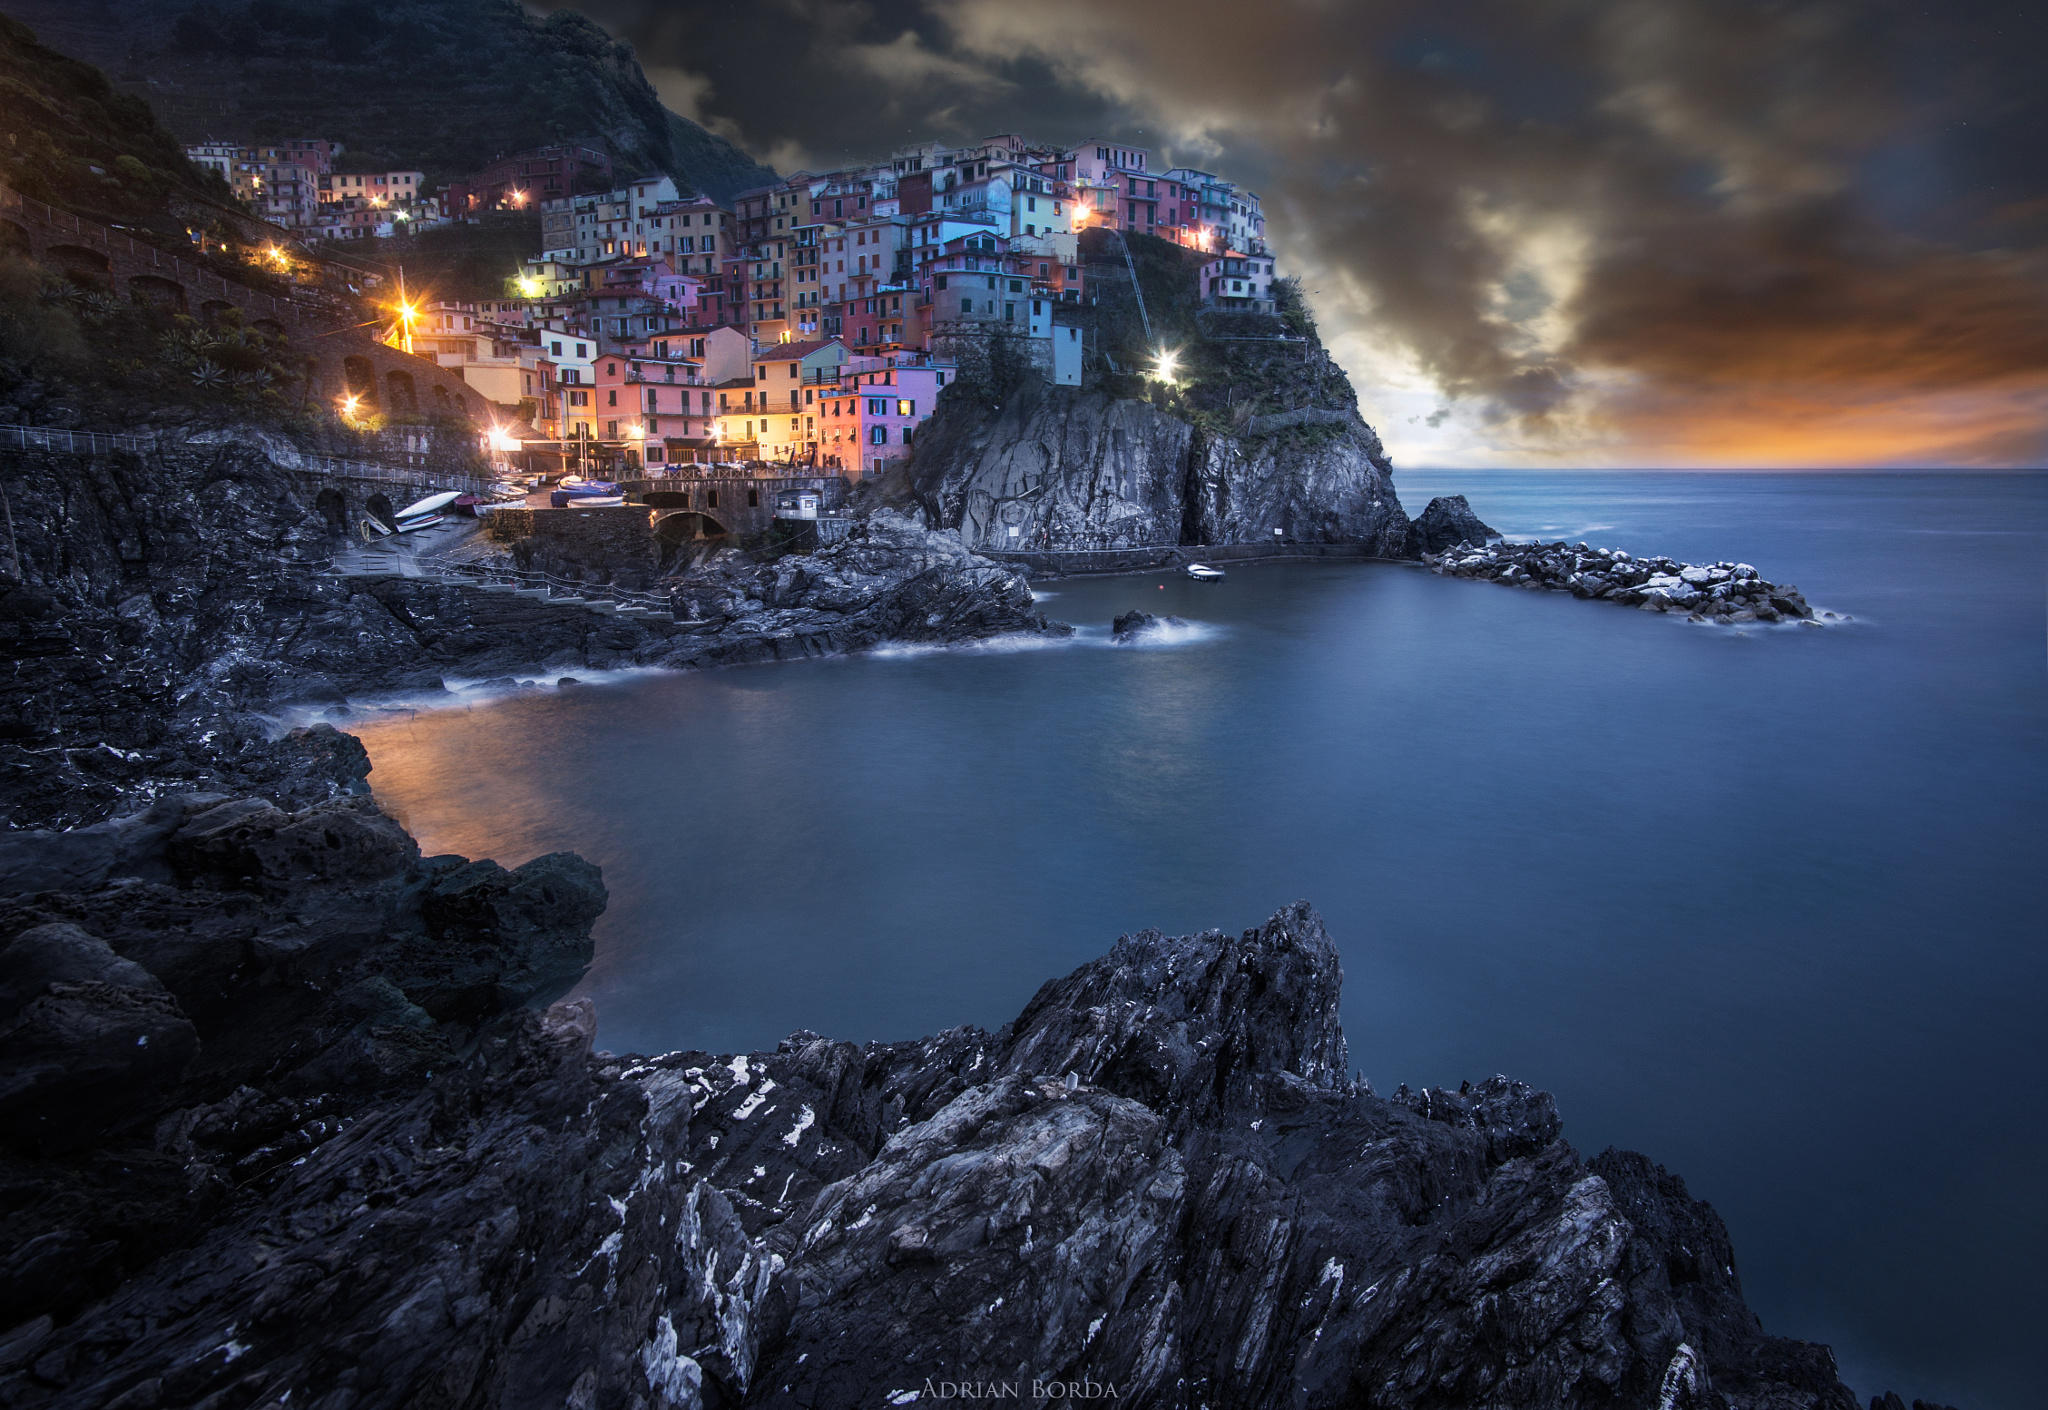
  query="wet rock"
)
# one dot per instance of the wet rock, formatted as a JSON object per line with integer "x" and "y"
{"x": 1129, "y": 626}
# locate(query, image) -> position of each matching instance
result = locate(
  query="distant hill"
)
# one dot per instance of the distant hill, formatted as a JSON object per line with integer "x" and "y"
{"x": 441, "y": 85}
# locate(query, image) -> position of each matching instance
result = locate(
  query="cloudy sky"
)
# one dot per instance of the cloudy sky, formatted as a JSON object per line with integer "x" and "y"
{"x": 1600, "y": 232}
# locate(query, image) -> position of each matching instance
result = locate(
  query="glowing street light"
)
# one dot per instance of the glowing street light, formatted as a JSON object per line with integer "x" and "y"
{"x": 1165, "y": 367}
{"x": 349, "y": 404}
{"x": 528, "y": 288}
{"x": 502, "y": 440}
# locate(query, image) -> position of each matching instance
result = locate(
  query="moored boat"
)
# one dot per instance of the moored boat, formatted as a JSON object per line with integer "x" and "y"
{"x": 423, "y": 521}
{"x": 1203, "y": 573}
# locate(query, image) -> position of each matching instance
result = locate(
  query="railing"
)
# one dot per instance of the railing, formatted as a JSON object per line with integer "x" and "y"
{"x": 342, "y": 467}
{"x": 534, "y": 580}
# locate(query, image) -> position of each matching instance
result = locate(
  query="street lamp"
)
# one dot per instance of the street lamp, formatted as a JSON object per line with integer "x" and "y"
{"x": 1166, "y": 365}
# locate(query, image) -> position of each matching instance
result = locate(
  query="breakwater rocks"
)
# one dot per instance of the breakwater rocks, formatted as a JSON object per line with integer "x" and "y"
{"x": 349, "y": 1169}
{"x": 1713, "y": 592}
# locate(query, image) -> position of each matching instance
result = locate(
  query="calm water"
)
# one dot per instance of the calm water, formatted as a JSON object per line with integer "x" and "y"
{"x": 1768, "y": 906}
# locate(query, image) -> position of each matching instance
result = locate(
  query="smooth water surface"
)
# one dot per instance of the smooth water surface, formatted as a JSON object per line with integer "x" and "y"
{"x": 1765, "y": 904}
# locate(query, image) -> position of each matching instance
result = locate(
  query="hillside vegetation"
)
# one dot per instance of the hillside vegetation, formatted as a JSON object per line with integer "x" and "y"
{"x": 68, "y": 137}
{"x": 441, "y": 85}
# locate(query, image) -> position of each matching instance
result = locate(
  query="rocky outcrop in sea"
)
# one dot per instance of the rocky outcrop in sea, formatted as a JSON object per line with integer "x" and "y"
{"x": 280, "y": 1130}
{"x": 1444, "y": 523}
{"x": 1730, "y": 593}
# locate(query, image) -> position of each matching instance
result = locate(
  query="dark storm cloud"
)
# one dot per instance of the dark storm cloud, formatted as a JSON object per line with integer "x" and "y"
{"x": 1705, "y": 231}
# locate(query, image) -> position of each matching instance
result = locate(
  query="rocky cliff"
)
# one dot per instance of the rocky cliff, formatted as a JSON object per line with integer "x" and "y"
{"x": 1254, "y": 435}
{"x": 1066, "y": 467}
{"x": 277, "y": 1132}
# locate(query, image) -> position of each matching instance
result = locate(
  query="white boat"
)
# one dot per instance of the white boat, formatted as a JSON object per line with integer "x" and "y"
{"x": 372, "y": 529}
{"x": 429, "y": 505}
{"x": 598, "y": 501}
{"x": 424, "y": 521}
{"x": 1203, "y": 573}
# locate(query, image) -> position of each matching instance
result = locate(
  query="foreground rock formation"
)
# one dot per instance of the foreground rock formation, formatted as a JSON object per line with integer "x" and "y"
{"x": 347, "y": 1169}
{"x": 1729, "y": 593}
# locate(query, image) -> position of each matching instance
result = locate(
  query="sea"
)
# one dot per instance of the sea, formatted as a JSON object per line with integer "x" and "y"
{"x": 1768, "y": 903}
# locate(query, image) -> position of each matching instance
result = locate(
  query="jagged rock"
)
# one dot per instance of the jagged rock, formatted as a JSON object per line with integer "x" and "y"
{"x": 1444, "y": 523}
{"x": 1157, "y": 1178}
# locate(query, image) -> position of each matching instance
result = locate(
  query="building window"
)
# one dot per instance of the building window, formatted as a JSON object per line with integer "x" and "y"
{"x": 906, "y": 408}
{"x": 878, "y": 435}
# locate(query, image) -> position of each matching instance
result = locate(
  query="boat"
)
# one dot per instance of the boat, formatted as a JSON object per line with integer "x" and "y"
{"x": 598, "y": 501}
{"x": 577, "y": 486}
{"x": 424, "y": 521}
{"x": 373, "y": 529}
{"x": 1203, "y": 573}
{"x": 431, "y": 504}
{"x": 466, "y": 505}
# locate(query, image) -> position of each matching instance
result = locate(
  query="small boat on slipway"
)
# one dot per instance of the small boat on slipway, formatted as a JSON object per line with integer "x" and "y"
{"x": 432, "y": 504}
{"x": 576, "y": 487}
{"x": 1203, "y": 573}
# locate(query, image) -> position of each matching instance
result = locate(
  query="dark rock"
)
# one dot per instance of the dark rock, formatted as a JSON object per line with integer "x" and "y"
{"x": 1157, "y": 1177}
{"x": 88, "y": 1040}
{"x": 1444, "y": 523}
{"x": 1133, "y": 624}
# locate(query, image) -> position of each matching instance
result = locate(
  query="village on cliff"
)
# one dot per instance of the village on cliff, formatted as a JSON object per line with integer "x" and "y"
{"x": 811, "y": 322}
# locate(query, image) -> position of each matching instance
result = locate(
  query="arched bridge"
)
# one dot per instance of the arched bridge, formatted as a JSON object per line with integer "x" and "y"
{"x": 694, "y": 507}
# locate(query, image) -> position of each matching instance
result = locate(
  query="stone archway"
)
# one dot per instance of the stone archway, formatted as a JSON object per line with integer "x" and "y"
{"x": 157, "y": 292}
{"x": 360, "y": 375}
{"x": 687, "y": 525}
{"x": 81, "y": 264}
{"x": 333, "y": 507}
{"x": 404, "y": 396}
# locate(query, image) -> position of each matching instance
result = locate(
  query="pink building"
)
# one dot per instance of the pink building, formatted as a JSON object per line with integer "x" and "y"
{"x": 654, "y": 408}
{"x": 869, "y": 421}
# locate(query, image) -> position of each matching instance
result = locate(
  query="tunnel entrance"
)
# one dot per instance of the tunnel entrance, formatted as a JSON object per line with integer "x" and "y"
{"x": 687, "y": 526}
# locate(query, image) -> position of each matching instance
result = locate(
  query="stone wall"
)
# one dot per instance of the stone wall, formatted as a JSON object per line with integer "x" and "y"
{"x": 615, "y": 544}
